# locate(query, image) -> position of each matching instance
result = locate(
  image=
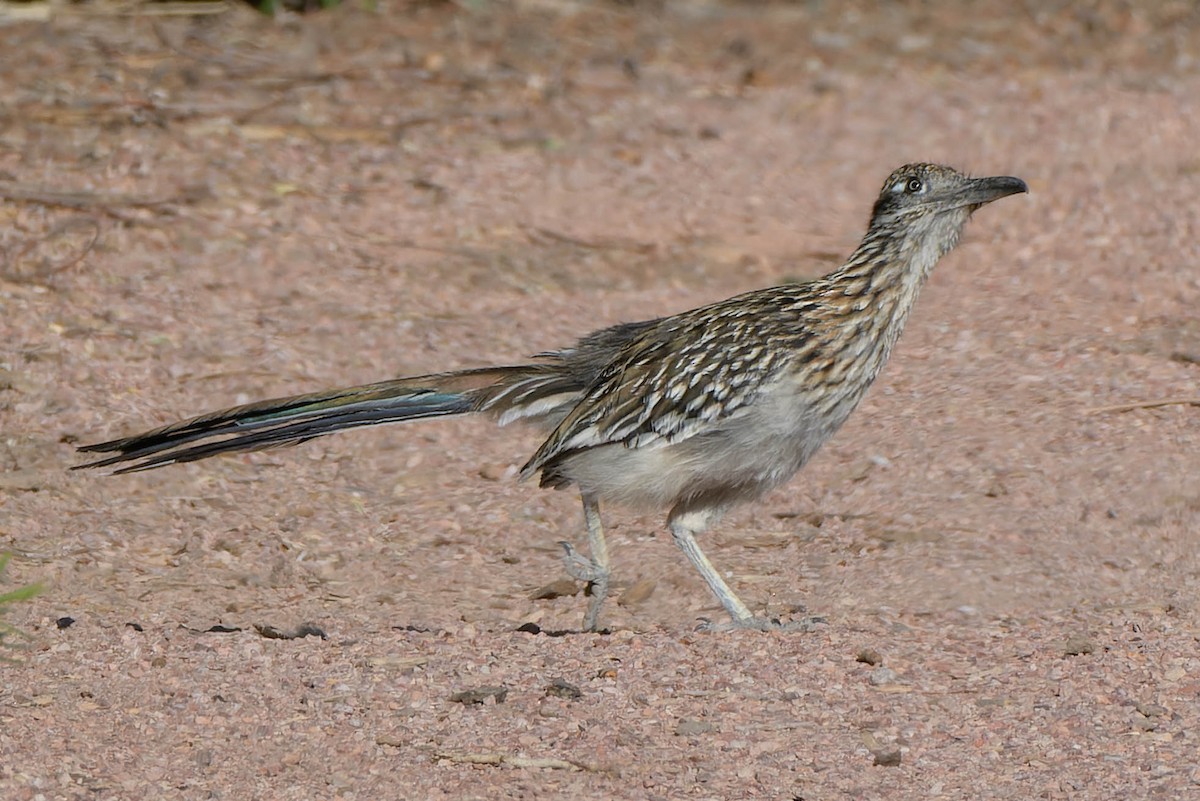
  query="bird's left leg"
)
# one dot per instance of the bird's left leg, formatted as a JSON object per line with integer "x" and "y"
{"x": 595, "y": 569}
{"x": 684, "y": 526}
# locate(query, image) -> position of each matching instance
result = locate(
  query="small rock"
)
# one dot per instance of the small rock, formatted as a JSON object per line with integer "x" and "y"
{"x": 882, "y": 676}
{"x": 304, "y": 630}
{"x": 1186, "y": 357}
{"x": 434, "y": 62}
{"x": 494, "y": 472}
{"x": 393, "y": 740}
{"x": 869, "y": 656}
{"x": 1151, "y": 710}
{"x": 556, "y": 589}
{"x": 65, "y": 622}
{"x": 887, "y": 757}
{"x": 691, "y": 727}
{"x": 309, "y": 630}
{"x": 561, "y": 688}
{"x": 1077, "y": 645}
{"x": 638, "y": 592}
{"x": 480, "y": 694}
{"x": 1143, "y": 724}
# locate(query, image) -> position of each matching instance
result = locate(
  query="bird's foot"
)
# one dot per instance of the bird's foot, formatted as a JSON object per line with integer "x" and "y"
{"x": 581, "y": 567}
{"x": 596, "y": 575}
{"x": 807, "y": 624}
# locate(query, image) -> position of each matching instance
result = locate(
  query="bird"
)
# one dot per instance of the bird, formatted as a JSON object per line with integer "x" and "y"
{"x": 690, "y": 413}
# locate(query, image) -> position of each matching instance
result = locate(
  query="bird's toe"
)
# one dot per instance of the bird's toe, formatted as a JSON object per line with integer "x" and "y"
{"x": 807, "y": 624}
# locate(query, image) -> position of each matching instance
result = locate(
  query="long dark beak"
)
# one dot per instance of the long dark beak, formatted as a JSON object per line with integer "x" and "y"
{"x": 979, "y": 191}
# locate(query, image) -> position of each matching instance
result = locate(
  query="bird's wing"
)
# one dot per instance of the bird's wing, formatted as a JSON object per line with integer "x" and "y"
{"x": 673, "y": 381}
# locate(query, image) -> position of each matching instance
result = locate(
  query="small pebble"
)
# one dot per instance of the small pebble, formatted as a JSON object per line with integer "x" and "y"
{"x": 561, "y": 688}
{"x": 563, "y": 588}
{"x": 881, "y": 676}
{"x": 301, "y": 631}
{"x": 480, "y": 694}
{"x": 1151, "y": 710}
{"x": 869, "y": 656}
{"x": 1077, "y": 645}
{"x": 690, "y": 727}
{"x": 887, "y": 757}
{"x": 638, "y": 592}
{"x": 494, "y": 472}
{"x": 1143, "y": 724}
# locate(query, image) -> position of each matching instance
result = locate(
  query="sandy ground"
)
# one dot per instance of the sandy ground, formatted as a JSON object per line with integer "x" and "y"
{"x": 210, "y": 208}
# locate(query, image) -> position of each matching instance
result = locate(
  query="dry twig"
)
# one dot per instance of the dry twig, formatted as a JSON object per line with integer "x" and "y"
{"x": 1146, "y": 404}
{"x": 516, "y": 761}
{"x": 78, "y": 199}
{"x": 47, "y": 270}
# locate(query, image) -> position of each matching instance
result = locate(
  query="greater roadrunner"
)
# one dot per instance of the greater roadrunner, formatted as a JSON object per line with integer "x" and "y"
{"x": 691, "y": 413}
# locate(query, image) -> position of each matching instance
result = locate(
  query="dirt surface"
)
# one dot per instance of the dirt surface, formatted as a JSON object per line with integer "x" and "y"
{"x": 208, "y": 208}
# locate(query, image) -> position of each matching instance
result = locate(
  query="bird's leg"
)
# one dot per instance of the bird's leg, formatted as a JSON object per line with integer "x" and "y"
{"x": 595, "y": 569}
{"x": 684, "y": 528}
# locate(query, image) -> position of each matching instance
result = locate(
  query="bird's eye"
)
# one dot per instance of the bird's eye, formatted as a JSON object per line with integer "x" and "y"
{"x": 913, "y": 186}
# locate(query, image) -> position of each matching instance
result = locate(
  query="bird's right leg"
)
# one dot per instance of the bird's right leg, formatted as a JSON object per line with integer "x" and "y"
{"x": 684, "y": 527}
{"x": 595, "y": 569}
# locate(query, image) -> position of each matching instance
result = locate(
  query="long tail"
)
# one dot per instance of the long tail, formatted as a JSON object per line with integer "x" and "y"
{"x": 526, "y": 391}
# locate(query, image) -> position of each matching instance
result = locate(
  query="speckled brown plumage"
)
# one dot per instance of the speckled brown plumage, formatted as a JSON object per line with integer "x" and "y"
{"x": 691, "y": 413}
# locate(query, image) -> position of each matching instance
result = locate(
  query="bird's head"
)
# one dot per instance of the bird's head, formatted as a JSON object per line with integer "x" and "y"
{"x": 929, "y": 203}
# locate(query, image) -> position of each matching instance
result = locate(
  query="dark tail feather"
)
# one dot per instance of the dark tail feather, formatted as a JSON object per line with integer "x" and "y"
{"x": 290, "y": 421}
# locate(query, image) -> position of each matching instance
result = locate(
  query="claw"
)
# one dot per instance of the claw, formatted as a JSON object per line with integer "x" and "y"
{"x": 581, "y": 567}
